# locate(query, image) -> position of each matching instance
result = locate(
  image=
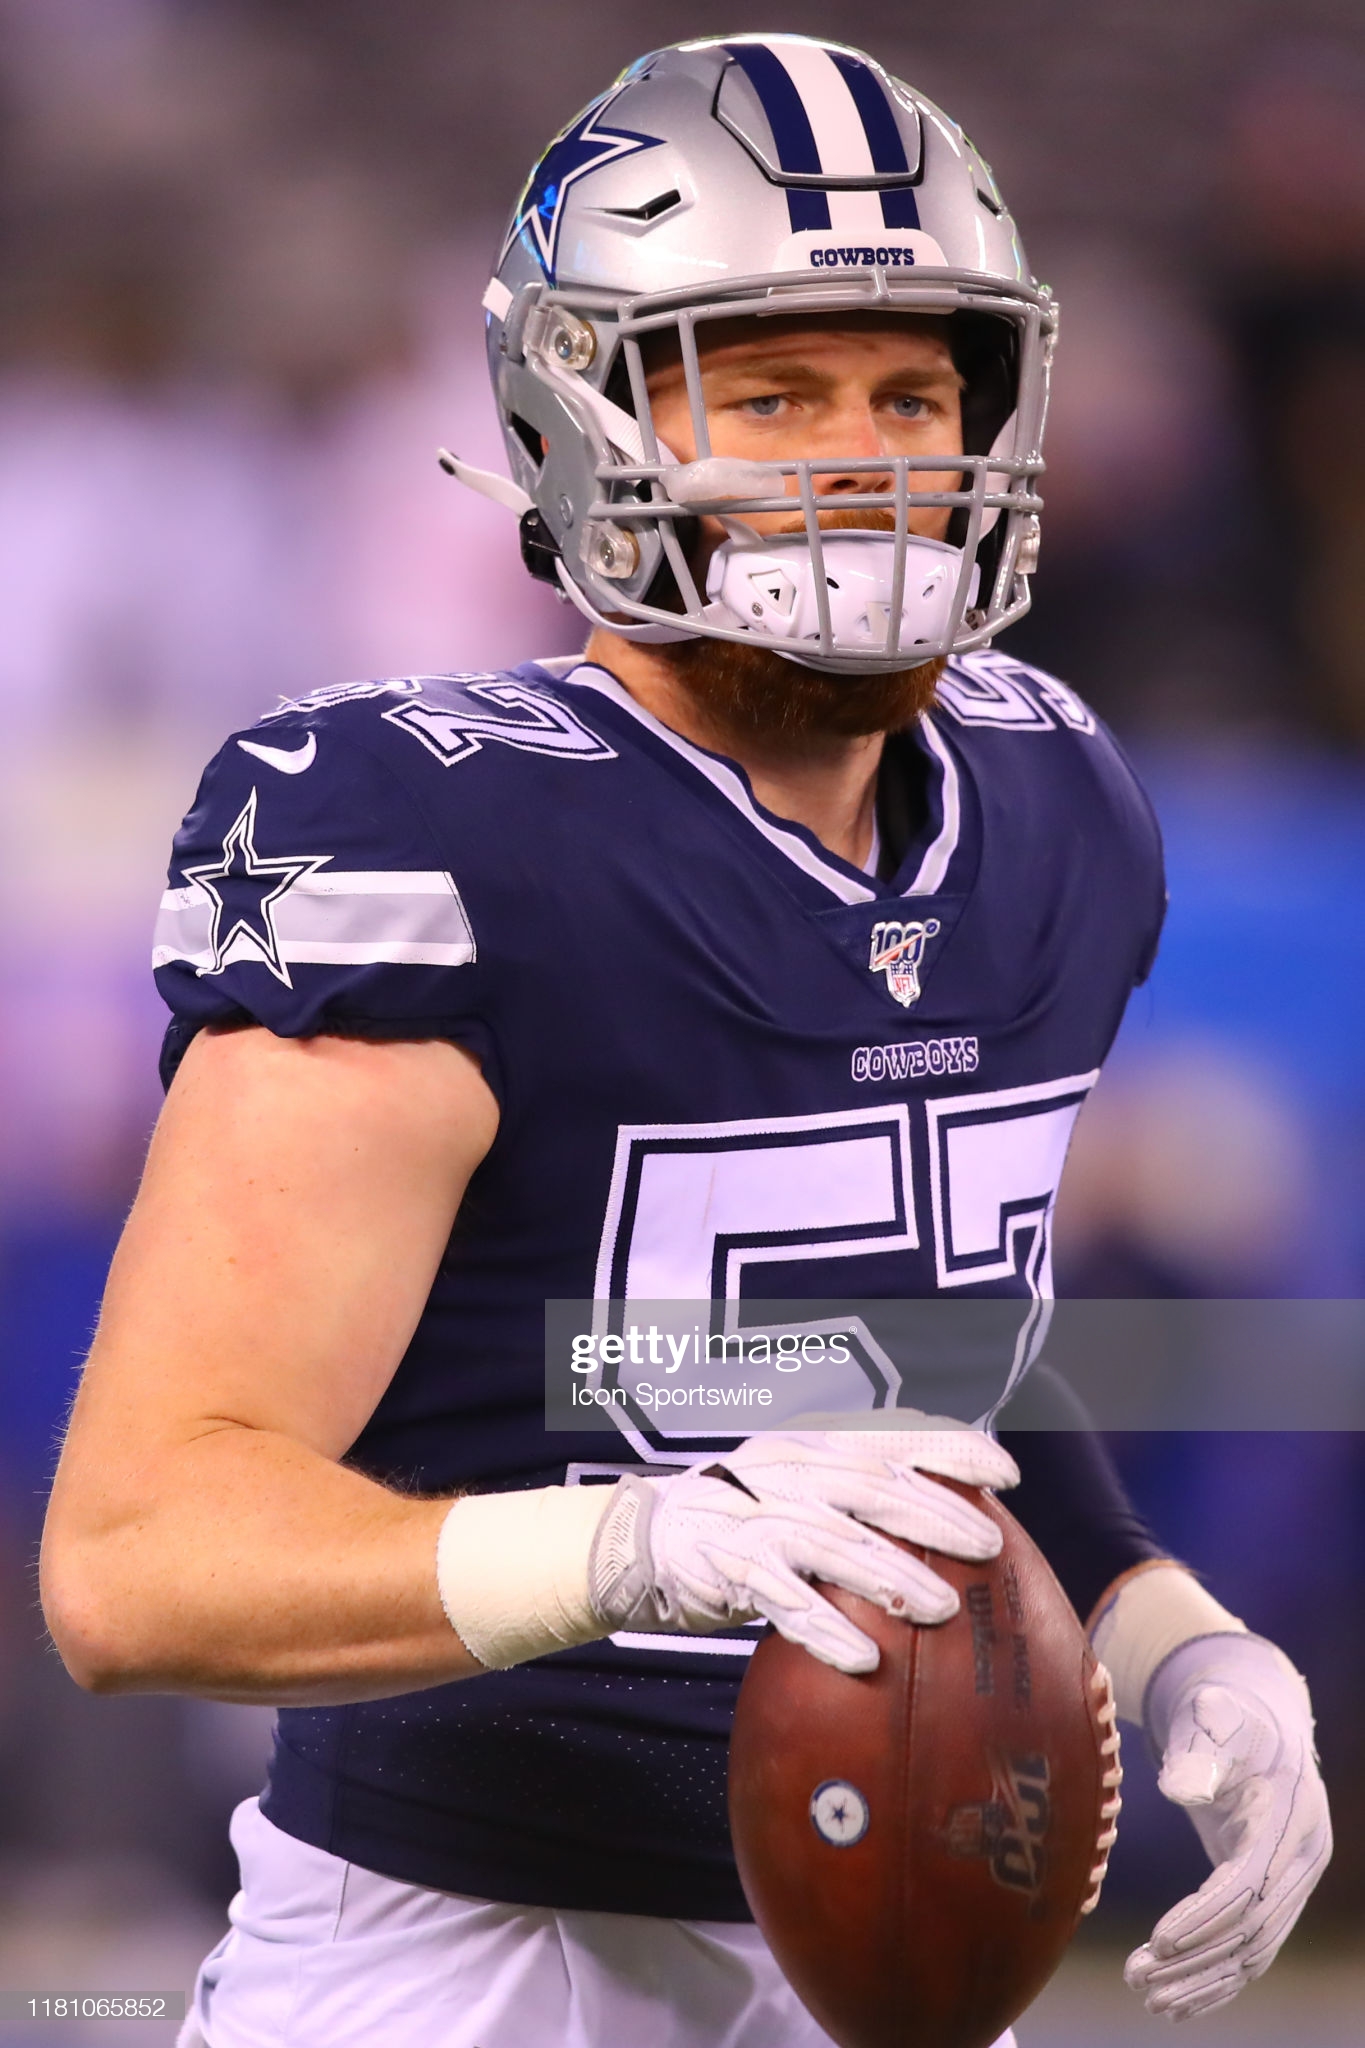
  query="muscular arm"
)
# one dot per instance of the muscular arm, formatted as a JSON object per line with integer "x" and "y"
{"x": 202, "y": 1535}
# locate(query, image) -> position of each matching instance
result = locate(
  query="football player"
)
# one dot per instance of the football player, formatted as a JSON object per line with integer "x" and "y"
{"x": 769, "y": 947}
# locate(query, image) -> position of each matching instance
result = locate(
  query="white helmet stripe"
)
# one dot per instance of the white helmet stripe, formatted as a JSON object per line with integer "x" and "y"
{"x": 835, "y": 121}
{"x": 840, "y": 136}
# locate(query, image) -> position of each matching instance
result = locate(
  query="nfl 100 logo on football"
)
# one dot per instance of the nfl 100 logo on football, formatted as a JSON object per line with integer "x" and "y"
{"x": 897, "y": 950}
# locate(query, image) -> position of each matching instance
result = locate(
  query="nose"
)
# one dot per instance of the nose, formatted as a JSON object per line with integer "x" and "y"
{"x": 856, "y": 434}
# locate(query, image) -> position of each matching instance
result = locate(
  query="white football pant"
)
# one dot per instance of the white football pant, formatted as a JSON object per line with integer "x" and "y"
{"x": 323, "y": 1954}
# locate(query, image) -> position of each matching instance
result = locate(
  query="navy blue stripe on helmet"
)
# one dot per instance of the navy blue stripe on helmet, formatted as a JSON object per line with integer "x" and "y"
{"x": 793, "y": 136}
{"x": 898, "y": 207}
{"x": 807, "y": 208}
{"x": 879, "y": 123}
{"x": 884, "y": 139}
{"x": 792, "y": 133}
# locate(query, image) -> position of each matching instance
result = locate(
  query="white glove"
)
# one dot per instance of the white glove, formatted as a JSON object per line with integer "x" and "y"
{"x": 740, "y": 1539}
{"x": 1232, "y": 1721}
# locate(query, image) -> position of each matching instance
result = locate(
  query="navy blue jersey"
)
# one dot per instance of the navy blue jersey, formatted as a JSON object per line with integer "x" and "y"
{"x": 727, "y": 1063}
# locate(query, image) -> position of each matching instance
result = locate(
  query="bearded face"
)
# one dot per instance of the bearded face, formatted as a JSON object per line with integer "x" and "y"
{"x": 751, "y": 693}
{"x": 853, "y": 385}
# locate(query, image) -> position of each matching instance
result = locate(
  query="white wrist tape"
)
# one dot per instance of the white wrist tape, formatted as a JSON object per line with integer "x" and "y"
{"x": 1152, "y": 1614}
{"x": 512, "y": 1571}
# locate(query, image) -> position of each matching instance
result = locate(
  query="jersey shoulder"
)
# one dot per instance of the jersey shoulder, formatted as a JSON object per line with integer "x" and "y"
{"x": 363, "y": 769}
{"x": 1039, "y": 753}
{"x": 1015, "y": 720}
{"x": 422, "y": 725}
{"x": 323, "y": 877}
{"x": 994, "y": 692}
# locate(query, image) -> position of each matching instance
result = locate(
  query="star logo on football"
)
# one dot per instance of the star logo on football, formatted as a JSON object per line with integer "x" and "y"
{"x": 839, "y": 1813}
{"x": 585, "y": 145}
{"x": 244, "y": 888}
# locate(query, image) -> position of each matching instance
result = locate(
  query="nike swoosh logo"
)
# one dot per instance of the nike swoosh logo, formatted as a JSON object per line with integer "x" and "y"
{"x": 289, "y": 760}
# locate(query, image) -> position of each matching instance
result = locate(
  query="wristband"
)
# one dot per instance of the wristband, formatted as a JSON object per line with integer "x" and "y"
{"x": 1149, "y": 1614}
{"x": 512, "y": 1571}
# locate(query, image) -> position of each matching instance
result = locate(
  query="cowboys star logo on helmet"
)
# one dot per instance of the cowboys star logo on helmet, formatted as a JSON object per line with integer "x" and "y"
{"x": 585, "y": 145}
{"x": 713, "y": 176}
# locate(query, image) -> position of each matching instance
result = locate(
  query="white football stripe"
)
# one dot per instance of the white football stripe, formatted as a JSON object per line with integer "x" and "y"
{"x": 857, "y": 217}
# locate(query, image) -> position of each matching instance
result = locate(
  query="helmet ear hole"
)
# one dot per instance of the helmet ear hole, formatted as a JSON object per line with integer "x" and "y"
{"x": 531, "y": 439}
{"x": 985, "y": 355}
{"x": 539, "y": 549}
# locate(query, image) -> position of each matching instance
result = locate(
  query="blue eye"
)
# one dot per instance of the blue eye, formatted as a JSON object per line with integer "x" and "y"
{"x": 908, "y": 408}
{"x": 766, "y": 406}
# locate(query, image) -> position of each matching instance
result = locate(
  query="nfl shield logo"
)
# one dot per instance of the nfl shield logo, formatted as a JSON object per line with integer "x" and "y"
{"x": 897, "y": 949}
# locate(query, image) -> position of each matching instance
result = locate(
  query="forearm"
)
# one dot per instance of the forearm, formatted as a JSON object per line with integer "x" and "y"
{"x": 1073, "y": 1504}
{"x": 1139, "y": 1603}
{"x": 252, "y": 1568}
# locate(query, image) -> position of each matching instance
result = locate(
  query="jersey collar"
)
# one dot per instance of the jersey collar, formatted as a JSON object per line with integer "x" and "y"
{"x": 847, "y": 884}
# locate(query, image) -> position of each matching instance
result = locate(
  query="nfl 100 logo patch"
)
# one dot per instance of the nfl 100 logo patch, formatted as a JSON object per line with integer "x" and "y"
{"x": 897, "y": 950}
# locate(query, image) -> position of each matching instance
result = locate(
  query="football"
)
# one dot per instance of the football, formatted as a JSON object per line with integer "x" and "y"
{"x": 919, "y": 1845}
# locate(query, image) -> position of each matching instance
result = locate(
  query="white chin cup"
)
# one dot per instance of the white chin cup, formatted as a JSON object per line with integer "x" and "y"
{"x": 769, "y": 586}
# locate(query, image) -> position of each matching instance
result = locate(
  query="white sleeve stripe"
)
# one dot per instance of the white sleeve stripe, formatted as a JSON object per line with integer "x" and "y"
{"x": 328, "y": 953}
{"x": 182, "y": 928}
{"x": 359, "y": 918}
{"x": 361, "y": 952}
{"x": 376, "y": 882}
{"x": 414, "y": 918}
{"x": 341, "y": 882}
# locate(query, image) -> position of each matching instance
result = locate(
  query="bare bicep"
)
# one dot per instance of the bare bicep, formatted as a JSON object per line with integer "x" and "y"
{"x": 297, "y": 1199}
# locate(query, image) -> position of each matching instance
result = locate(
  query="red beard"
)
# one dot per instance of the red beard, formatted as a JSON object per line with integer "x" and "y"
{"x": 750, "y": 693}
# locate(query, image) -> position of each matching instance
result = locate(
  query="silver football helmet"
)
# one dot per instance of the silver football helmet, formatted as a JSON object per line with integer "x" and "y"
{"x": 763, "y": 174}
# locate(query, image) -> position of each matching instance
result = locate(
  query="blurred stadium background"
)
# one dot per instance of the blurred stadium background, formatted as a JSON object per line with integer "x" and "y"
{"x": 241, "y": 248}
